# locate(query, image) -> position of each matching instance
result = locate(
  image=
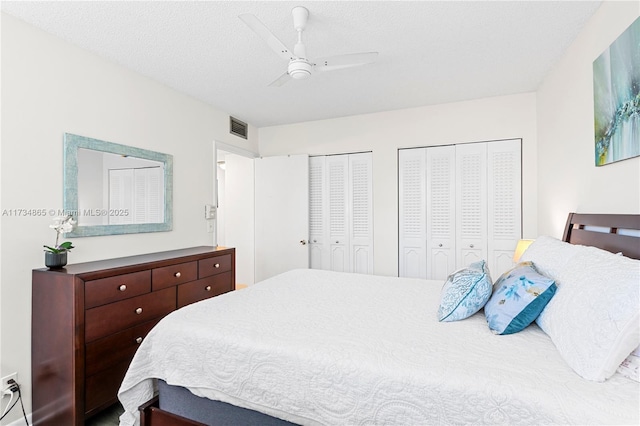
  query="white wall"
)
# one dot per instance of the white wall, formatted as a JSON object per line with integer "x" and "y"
{"x": 383, "y": 133}
{"x": 568, "y": 179}
{"x": 50, "y": 87}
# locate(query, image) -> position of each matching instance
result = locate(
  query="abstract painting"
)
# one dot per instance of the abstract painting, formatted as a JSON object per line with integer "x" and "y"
{"x": 616, "y": 92}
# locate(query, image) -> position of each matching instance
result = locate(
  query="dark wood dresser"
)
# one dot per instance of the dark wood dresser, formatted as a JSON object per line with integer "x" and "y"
{"x": 89, "y": 318}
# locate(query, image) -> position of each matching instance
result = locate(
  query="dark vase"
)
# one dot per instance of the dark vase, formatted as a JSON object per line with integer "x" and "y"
{"x": 55, "y": 260}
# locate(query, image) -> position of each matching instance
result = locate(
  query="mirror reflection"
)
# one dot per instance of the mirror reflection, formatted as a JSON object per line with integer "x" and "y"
{"x": 117, "y": 189}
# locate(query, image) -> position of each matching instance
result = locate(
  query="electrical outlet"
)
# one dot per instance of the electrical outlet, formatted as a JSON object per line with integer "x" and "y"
{"x": 5, "y": 381}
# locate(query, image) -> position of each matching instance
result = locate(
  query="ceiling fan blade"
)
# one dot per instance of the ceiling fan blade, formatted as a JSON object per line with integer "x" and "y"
{"x": 331, "y": 63}
{"x": 280, "y": 80}
{"x": 263, "y": 32}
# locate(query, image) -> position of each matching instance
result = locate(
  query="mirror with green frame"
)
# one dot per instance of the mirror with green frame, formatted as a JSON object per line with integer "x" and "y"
{"x": 115, "y": 189}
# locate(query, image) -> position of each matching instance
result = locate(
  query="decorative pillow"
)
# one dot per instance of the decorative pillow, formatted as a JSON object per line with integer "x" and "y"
{"x": 594, "y": 319}
{"x": 465, "y": 292}
{"x": 521, "y": 294}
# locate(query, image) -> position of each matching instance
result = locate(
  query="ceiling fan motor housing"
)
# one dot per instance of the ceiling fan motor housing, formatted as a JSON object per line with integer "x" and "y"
{"x": 299, "y": 69}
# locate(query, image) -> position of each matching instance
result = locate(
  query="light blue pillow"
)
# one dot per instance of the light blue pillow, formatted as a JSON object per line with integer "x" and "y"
{"x": 465, "y": 292}
{"x": 521, "y": 294}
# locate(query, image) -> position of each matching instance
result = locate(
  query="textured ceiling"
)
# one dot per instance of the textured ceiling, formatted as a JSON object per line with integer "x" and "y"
{"x": 429, "y": 52}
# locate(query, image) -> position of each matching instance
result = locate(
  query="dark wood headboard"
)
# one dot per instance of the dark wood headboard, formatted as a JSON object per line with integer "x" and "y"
{"x": 611, "y": 240}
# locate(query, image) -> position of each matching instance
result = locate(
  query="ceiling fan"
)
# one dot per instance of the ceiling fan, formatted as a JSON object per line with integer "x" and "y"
{"x": 300, "y": 66}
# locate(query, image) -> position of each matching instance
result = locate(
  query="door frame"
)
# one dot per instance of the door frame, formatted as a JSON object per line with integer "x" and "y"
{"x": 222, "y": 146}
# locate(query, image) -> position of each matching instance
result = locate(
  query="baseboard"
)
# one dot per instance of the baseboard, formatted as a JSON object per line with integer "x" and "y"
{"x": 20, "y": 421}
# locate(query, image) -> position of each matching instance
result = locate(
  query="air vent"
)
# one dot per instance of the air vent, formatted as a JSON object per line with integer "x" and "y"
{"x": 238, "y": 128}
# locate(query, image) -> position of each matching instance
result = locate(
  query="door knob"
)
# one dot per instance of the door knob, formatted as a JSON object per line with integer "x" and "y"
{"x": 303, "y": 242}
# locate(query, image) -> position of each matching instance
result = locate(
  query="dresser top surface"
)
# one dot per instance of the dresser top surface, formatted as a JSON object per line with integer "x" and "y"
{"x": 191, "y": 253}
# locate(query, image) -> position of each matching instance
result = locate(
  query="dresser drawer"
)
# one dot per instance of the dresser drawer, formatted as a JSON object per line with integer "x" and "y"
{"x": 102, "y": 389}
{"x": 107, "y": 290}
{"x": 204, "y": 288}
{"x": 214, "y": 265}
{"x": 172, "y": 275}
{"x": 108, "y": 351}
{"x": 109, "y": 319}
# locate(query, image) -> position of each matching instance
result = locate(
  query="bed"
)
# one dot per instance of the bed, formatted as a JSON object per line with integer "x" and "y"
{"x": 318, "y": 347}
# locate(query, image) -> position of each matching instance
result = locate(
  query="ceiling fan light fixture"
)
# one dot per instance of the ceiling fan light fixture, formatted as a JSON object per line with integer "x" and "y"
{"x": 299, "y": 66}
{"x": 299, "y": 69}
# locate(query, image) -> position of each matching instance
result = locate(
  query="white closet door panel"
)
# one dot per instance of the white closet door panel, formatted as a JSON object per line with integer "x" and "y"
{"x": 471, "y": 203}
{"x": 316, "y": 256}
{"x": 338, "y": 257}
{"x": 441, "y": 211}
{"x": 337, "y": 178}
{"x": 282, "y": 214}
{"x": 318, "y": 218}
{"x": 361, "y": 213}
{"x": 412, "y": 213}
{"x": 121, "y": 196}
{"x": 239, "y": 221}
{"x": 504, "y": 182}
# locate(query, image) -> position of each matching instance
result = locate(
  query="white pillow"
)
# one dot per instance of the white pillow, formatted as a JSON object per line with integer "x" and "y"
{"x": 594, "y": 317}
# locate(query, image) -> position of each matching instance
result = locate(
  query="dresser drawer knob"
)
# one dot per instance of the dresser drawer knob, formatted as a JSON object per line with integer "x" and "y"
{"x": 217, "y": 265}
{"x": 177, "y": 275}
{"x": 139, "y": 340}
{"x": 139, "y": 311}
{"x": 122, "y": 287}
{"x": 208, "y": 288}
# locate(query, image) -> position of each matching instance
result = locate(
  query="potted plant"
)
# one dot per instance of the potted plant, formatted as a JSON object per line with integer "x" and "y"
{"x": 56, "y": 256}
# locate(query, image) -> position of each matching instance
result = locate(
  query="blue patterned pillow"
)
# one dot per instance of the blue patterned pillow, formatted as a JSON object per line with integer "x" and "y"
{"x": 465, "y": 292}
{"x": 521, "y": 294}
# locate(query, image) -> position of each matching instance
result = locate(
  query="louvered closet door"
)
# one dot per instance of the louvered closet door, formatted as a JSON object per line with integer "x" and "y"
{"x": 338, "y": 213}
{"x": 318, "y": 203}
{"x": 412, "y": 213}
{"x": 471, "y": 203}
{"x": 361, "y": 209}
{"x": 504, "y": 203}
{"x": 149, "y": 195}
{"x": 441, "y": 211}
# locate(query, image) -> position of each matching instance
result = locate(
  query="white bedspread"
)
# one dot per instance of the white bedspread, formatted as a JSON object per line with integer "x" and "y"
{"x": 318, "y": 347}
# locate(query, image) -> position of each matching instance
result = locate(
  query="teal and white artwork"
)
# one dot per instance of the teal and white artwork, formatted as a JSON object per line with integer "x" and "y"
{"x": 616, "y": 91}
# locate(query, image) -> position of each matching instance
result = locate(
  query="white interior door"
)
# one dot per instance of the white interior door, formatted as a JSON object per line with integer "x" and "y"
{"x": 337, "y": 181}
{"x": 441, "y": 212}
{"x": 471, "y": 203}
{"x": 412, "y": 228}
{"x": 239, "y": 214}
{"x": 282, "y": 214}
{"x": 361, "y": 212}
{"x": 318, "y": 229}
{"x": 504, "y": 179}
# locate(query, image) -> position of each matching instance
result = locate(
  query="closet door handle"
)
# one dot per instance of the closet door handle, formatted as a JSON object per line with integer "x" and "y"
{"x": 303, "y": 242}
{"x": 440, "y": 245}
{"x": 471, "y": 245}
